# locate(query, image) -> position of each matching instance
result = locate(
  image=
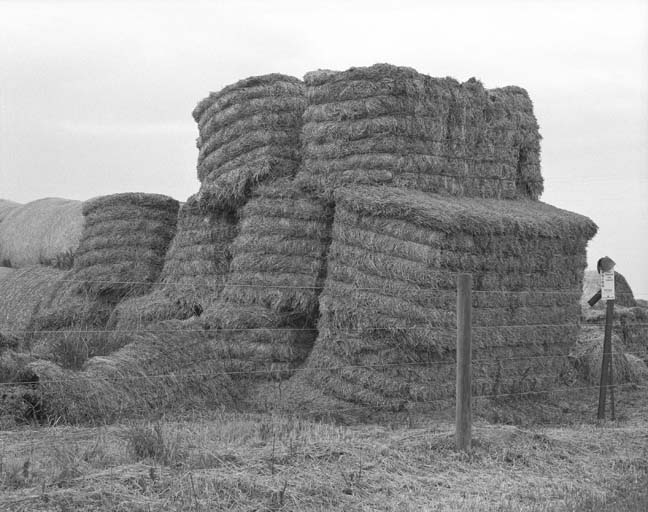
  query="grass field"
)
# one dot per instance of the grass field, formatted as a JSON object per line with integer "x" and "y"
{"x": 557, "y": 457}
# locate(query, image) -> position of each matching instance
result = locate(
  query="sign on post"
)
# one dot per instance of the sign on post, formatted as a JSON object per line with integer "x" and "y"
{"x": 607, "y": 285}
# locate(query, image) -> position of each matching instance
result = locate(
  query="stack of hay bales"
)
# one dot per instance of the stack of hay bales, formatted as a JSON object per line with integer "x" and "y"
{"x": 248, "y": 132}
{"x": 393, "y": 125}
{"x": 120, "y": 255}
{"x": 269, "y": 305}
{"x": 390, "y": 295}
{"x": 40, "y": 232}
{"x": 6, "y": 207}
{"x": 193, "y": 274}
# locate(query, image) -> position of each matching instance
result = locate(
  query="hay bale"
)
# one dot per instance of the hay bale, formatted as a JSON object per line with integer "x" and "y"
{"x": 124, "y": 241}
{"x": 248, "y": 132}
{"x": 393, "y": 125}
{"x": 6, "y": 207}
{"x": 276, "y": 273}
{"x": 40, "y": 231}
{"x": 5, "y": 272}
{"x": 389, "y": 297}
{"x": 194, "y": 270}
{"x": 587, "y": 357}
{"x": 174, "y": 366}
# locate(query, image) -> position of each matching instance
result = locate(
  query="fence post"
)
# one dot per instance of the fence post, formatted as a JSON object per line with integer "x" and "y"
{"x": 464, "y": 356}
{"x": 607, "y": 358}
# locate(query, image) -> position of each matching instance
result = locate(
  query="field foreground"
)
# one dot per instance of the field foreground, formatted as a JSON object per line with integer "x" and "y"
{"x": 237, "y": 461}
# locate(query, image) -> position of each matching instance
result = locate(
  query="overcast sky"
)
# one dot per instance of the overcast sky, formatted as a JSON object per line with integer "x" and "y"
{"x": 96, "y": 96}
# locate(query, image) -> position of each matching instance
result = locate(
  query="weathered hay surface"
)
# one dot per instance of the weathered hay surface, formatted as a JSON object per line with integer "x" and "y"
{"x": 592, "y": 284}
{"x": 248, "y": 132}
{"x": 24, "y": 292}
{"x": 40, "y": 231}
{"x": 389, "y": 297}
{"x": 6, "y": 207}
{"x": 193, "y": 274}
{"x": 276, "y": 273}
{"x": 5, "y": 272}
{"x": 124, "y": 241}
{"x": 393, "y": 125}
{"x": 176, "y": 365}
{"x": 587, "y": 356}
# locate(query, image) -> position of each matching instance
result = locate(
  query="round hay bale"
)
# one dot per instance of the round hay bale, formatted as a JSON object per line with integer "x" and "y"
{"x": 587, "y": 357}
{"x": 6, "y": 207}
{"x": 248, "y": 133}
{"x": 125, "y": 239}
{"x": 41, "y": 231}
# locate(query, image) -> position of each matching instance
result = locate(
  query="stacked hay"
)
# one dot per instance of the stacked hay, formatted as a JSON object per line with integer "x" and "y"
{"x": 124, "y": 241}
{"x": 390, "y": 294}
{"x": 6, "y": 207}
{"x": 248, "y": 132}
{"x": 40, "y": 232}
{"x": 193, "y": 274}
{"x": 174, "y": 367}
{"x": 120, "y": 255}
{"x": 269, "y": 305}
{"x": 393, "y": 125}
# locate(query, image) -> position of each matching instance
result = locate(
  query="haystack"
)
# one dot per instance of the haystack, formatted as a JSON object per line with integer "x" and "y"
{"x": 40, "y": 232}
{"x": 249, "y": 131}
{"x": 193, "y": 274}
{"x": 390, "y": 294}
{"x": 391, "y": 125}
{"x": 173, "y": 367}
{"x": 124, "y": 241}
{"x": 269, "y": 305}
{"x": 6, "y": 207}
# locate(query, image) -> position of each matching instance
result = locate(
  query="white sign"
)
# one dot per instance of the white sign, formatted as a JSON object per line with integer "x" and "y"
{"x": 607, "y": 285}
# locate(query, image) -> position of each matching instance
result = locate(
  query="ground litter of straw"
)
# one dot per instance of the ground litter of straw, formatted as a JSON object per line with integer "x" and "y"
{"x": 235, "y": 461}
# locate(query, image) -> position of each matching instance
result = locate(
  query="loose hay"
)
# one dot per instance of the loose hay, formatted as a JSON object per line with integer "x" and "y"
{"x": 393, "y": 125}
{"x": 193, "y": 275}
{"x": 248, "y": 132}
{"x": 174, "y": 366}
{"x": 389, "y": 298}
{"x": 40, "y": 231}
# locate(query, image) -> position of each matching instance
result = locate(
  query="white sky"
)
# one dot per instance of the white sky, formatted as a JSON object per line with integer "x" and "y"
{"x": 96, "y": 96}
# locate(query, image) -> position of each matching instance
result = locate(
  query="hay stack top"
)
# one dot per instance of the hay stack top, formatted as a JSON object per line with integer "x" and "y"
{"x": 391, "y": 125}
{"x": 6, "y": 207}
{"x": 468, "y": 215}
{"x": 136, "y": 199}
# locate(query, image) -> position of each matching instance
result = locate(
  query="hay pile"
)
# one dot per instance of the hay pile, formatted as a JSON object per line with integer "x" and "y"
{"x": 248, "y": 131}
{"x": 276, "y": 274}
{"x": 156, "y": 371}
{"x": 393, "y": 125}
{"x": 124, "y": 242}
{"x": 193, "y": 274}
{"x": 40, "y": 232}
{"x": 390, "y": 294}
{"x": 6, "y": 207}
{"x": 24, "y": 293}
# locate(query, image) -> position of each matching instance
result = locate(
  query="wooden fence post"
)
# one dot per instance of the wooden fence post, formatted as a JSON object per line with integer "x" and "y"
{"x": 607, "y": 358}
{"x": 464, "y": 367}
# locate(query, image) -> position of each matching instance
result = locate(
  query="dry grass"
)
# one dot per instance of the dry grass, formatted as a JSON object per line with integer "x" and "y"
{"x": 40, "y": 231}
{"x": 234, "y": 461}
{"x": 6, "y": 207}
